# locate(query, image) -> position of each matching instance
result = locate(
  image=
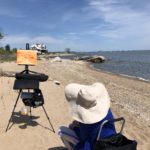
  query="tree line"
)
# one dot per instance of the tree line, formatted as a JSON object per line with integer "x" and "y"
{"x": 7, "y": 48}
{"x": 1, "y": 35}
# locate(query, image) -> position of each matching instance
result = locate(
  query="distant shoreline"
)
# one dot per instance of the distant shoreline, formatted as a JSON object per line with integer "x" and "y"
{"x": 90, "y": 66}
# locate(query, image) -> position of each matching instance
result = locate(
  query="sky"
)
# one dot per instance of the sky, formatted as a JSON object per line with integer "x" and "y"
{"x": 81, "y": 25}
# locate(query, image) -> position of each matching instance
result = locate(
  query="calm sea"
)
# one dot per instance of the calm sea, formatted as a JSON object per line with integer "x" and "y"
{"x": 130, "y": 63}
{"x": 134, "y": 64}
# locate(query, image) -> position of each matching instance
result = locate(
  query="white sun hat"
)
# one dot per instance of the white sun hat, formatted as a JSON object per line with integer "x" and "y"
{"x": 88, "y": 103}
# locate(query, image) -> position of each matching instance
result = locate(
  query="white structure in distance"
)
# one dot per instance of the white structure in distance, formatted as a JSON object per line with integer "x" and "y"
{"x": 41, "y": 48}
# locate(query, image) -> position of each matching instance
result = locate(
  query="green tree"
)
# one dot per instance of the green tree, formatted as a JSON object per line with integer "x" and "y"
{"x": 14, "y": 49}
{"x": 68, "y": 50}
{"x": 1, "y": 35}
{"x": 7, "y": 47}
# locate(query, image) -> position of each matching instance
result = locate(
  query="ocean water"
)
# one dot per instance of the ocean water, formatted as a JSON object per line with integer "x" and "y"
{"x": 131, "y": 63}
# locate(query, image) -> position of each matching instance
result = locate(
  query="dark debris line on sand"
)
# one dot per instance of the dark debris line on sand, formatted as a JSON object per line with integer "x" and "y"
{"x": 7, "y": 73}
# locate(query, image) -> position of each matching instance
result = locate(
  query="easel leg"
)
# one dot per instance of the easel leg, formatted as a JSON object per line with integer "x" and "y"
{"x": 13, "y": 109}
{"x": 30, "y": 113}
{"x": 48, "y": 119}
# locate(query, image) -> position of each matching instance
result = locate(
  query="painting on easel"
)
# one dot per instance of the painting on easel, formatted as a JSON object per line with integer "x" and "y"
{"x": 26, "y": 57}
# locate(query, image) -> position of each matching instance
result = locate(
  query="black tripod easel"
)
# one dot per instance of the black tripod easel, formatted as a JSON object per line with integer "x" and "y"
{"x": 34, "y": 84}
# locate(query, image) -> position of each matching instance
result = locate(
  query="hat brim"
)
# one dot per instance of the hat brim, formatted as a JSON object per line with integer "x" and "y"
{"x": 90, "y": 115}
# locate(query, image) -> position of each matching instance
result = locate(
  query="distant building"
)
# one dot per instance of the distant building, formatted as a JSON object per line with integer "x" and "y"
{"x": 41, "y": 48}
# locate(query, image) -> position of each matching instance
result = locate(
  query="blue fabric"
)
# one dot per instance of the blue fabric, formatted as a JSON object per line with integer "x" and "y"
{"x": 87, "y": 133}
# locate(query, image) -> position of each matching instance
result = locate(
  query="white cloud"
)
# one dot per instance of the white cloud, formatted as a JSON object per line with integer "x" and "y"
{"x": 123, "y": 19}
{"x": 52, "y": 43}
{"x": 46, "y": 39}
{"x": 114, "y": 19}
{"x": 19, "y": 39}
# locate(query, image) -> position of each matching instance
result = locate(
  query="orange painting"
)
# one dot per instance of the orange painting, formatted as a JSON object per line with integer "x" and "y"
{"x": 26, "y": 57}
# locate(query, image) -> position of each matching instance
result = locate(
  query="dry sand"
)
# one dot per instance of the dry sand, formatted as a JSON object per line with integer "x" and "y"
{"x": 130, "y": 99}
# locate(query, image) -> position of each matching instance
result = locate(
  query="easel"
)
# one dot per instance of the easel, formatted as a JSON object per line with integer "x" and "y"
{"x": 27, "y": 71}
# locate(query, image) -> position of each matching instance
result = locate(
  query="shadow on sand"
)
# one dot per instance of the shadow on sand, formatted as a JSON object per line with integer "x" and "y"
{"x": 57, "y": 148}
{"x": 24, "y": 121}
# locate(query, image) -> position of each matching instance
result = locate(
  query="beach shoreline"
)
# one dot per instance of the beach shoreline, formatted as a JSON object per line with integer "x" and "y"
{"x": 129, "y": 99}
{"x": 90, "y": 65}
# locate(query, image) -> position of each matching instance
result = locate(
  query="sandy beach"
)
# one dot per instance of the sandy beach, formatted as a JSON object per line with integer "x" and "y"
{"x": 130, "y": 98}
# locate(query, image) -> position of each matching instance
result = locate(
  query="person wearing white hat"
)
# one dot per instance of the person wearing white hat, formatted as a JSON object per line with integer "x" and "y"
{"x": 89, "y": 107}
